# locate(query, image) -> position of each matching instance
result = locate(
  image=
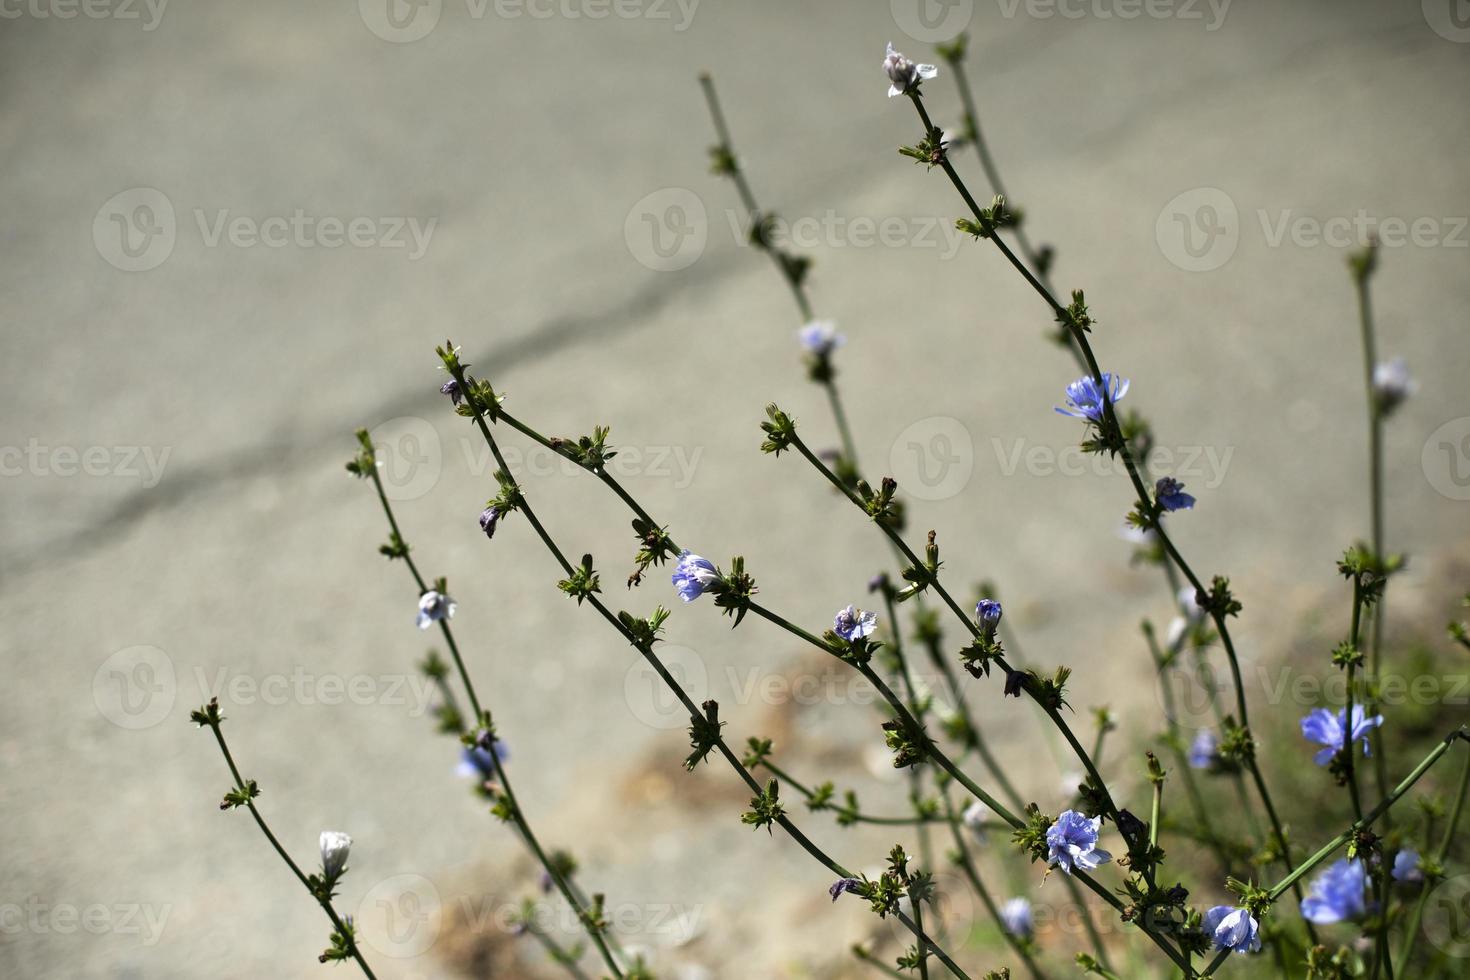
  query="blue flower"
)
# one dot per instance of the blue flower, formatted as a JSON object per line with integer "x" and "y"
{"x": 820, "y": 337}
{"x": 1085, "y": 396}
{"x": 488, "y": 520}
{"x": 1336, "y": 894}
{"x": 1016, "y": 916}
{"x": 435, "y": 607}
{"x": 1073, "y": 842}
{"x": 1171, "y": 496}
{"x": 987, "y": 614}
{"x": 477, "y": 762}
{"x": 1233, "y": 929}
{"x": 693, "y": 575}
{"x": 845, "y": 885}
{"x": 1326, "y": 728}
{"x": 854, "y": 624}
{"x": 1406, "y": 866}
{"x": 1204, "y": 751}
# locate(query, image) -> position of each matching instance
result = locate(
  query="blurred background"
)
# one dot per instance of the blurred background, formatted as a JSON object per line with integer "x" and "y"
{"x": 234, "y": 233}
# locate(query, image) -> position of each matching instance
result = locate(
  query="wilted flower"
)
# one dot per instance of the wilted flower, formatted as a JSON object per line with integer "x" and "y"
{"x": 820, "y": 337}
{"x": 1171, "y": 496}
{"x": 1073, "y": 842}
{"x": 1406, "y": 866}
{"x": 1016, "y": 916}
{"x": 903, "y": 73}
{"x": 1085, "y": 396}
{"x": 1336, "y": 894}
{"x": 1326, "y": 728}
{"x": 854, "y": 624}
{"x": 335, "y": 846}
{"x": 845, "y": 885}
{"x": 1204, "y": 751}
{"x": 1392, "y": 384}
{"x": 1233, "y": 929}
{"x": 488, "y": 520}
{"x": 451, "y": 388}
{"x": 435, "y": 607}
{"x": 694, "y": 575}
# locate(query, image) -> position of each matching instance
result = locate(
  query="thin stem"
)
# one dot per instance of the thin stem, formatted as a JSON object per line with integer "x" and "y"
{"x": 1330, "y": 848}
{"x": 326, "y": 904}
{"x": 557, "y": 953}
{"x": 1411, "y": 935}
{"x": 1349, "y": 744}
{"x": 676, "y": 688}
{"x": 553, "y": 871}
{"x": 845, "y": 814}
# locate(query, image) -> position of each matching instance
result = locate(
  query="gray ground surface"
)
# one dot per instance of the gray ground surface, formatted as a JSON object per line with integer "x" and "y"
{"x": 533, "y": 143}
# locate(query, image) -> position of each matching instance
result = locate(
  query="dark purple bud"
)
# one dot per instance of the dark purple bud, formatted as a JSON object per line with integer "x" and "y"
{"x": 845, "y": 885}
{"x": 451, "y": 388}
{"x": 488, "y": 520}
{"x": 1014, "y": 680}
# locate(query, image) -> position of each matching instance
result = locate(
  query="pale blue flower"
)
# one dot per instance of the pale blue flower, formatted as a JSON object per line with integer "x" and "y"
{"x": 435, "y": 607}
{"x": 1016, "y": 916}
{"x": 693, "y": 576}
{"x": 1072, "y": 841}
{"x": 1406, "y": 866}
{"x": 854, "y": 624}
{"x": 1326, "y": 728}
{"x": 820, "y": 337}
{"x": 903, "y": 73}
{"x": 476, "y": 762}
{"x": 1392, "y": 384}
{"x": 1337, "y": 894}
{"x": 1233, "y": 929}
{"x": 1085, "y": 396}
{"x": 1204, "y": 751}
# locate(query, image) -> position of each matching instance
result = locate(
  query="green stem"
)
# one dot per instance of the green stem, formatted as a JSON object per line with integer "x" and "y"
{"x": 326, "y": 904}
{"x": 1411, "y": 935}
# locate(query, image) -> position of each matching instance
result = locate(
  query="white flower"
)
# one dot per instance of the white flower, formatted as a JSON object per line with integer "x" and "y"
{"x": 904, "y": 73}
{"x": 1016, "y": 914}
{"x": 434, "y": 607}
{"x": 820, "y": 337}
{"x": 1392, "y": 384}
{"x": 335, "y": 846}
